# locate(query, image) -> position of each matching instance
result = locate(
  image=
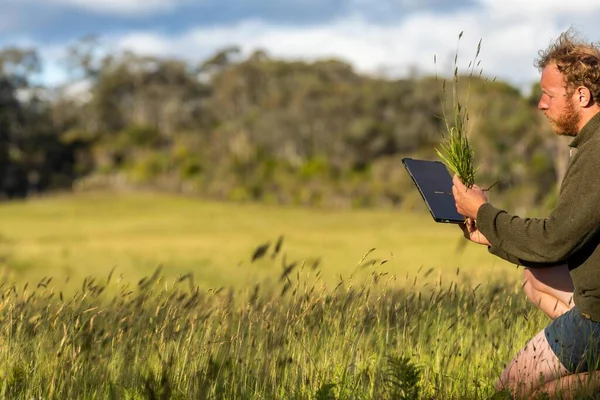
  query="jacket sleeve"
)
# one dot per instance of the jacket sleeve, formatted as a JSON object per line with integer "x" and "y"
{"x": 517, "y": 261}
{"x": 572, "y": 223}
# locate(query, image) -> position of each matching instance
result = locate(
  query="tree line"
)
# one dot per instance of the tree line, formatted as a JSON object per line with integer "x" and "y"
{"x": 254, "y": 128}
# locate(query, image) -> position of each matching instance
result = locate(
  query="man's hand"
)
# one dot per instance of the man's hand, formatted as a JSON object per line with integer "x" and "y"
{"x": 471, "y": 232}
{"x": 467, "y": 200}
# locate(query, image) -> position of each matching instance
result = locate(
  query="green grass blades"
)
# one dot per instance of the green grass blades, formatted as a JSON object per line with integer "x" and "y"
{"x": 314, "y": 311}
{"x": 455, "y": 150}
{"x": 290, "y": 304}
{"x": 457, "y": 154}
{"x": 171, "y": 339}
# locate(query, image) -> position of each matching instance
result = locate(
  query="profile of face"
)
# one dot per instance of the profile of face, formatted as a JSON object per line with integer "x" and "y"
{"x": 557, "y": 104}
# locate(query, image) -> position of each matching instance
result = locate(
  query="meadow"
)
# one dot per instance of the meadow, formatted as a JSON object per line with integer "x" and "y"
{"x": 75, "y": 236}
{"x": 152, "y": 296}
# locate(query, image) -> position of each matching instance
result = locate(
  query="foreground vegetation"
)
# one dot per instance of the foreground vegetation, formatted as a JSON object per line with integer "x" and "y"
{"x": 298, "y": 338}
{"x": 251, "y": 302}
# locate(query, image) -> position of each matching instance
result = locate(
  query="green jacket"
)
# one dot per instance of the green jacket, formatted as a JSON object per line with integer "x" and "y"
{"x": 570, "y": 234}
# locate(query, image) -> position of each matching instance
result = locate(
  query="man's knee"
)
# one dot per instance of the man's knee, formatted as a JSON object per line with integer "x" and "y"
{"x": 528, "y": 275}
{"x": 529, "y": 283}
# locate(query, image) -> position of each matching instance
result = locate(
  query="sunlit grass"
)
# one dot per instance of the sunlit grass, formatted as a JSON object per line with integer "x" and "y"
{"x": 350, "y": 304}
{"x": 297, "y": 338}
{"x": 90, "y": 234}
{"x": 455, "y": 149}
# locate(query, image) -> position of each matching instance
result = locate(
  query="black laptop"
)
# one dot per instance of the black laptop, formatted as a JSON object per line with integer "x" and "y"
{"x": 435, "y": 185}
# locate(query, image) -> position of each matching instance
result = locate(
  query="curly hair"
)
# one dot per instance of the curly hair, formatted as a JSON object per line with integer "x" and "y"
{"x": 576, "y": 59}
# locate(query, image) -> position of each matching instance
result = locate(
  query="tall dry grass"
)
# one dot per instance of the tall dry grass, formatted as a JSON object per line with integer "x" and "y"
{"x": 297, "y": 338}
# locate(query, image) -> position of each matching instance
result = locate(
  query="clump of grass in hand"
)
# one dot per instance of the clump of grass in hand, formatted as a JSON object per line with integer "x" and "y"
{"x": 455, "y": 149}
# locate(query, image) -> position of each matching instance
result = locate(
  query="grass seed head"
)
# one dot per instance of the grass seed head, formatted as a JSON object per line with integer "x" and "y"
{"x": 455, "y": 149}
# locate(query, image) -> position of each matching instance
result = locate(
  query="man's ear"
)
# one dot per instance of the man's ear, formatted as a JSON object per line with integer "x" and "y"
{"x": 583, "y": 96}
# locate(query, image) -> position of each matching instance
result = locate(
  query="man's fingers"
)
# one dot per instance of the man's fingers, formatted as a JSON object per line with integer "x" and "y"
{"x": 456, "y": 181}
{"x": 471, "y": 225}
{"x": 465, "y": 230}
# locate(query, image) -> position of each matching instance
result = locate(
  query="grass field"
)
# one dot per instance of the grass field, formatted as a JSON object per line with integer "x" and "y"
{"x": 419, "y": 317}
{"x": 90, "y": 234}
{"x": 354, "y": 341}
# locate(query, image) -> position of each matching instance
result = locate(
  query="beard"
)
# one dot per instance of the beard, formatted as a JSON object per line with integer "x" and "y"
{"x": 567, "y": 124}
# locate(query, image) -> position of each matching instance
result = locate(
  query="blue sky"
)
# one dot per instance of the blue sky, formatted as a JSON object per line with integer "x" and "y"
{"x": 391, "y": 37}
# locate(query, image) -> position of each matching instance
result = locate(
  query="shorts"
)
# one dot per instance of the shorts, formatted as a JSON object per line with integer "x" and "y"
{"x": 575, "y": 340}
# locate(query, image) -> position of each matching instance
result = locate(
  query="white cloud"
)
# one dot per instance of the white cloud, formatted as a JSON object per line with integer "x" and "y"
{"x": 511, "y": 31}
{"x": 507, "y": 50}
{"x": 119, "y": 7}
{"x": 541, "y": 8}
{"x": 368, "y": 46}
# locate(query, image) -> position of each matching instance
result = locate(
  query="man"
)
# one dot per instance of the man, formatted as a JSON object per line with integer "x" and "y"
{"x": 561, "y": 252}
